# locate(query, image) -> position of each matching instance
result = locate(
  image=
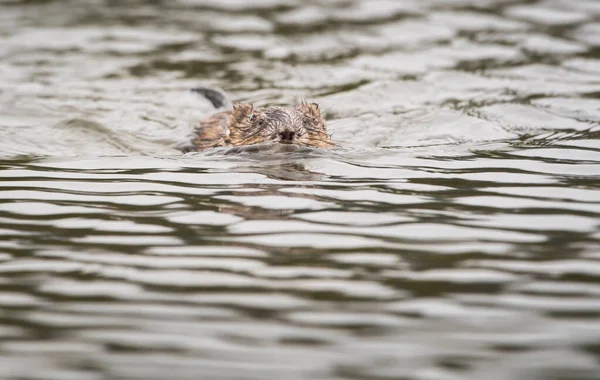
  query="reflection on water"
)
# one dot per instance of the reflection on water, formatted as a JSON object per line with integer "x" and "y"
{"x": 454, "y": 235}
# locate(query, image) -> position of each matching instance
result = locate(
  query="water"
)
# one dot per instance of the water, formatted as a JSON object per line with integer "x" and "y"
{"x": 454, "y": 235}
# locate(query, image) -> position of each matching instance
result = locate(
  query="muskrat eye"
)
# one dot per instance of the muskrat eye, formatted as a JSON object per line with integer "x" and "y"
{"x": 251, "y": 117}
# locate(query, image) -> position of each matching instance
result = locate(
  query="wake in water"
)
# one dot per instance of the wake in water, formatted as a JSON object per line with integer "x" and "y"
{"x": 143, "y": 124}
{"x": 135, "y": 124}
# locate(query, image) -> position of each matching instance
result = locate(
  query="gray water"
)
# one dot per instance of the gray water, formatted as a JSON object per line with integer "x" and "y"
{"x": 453, "y": 235}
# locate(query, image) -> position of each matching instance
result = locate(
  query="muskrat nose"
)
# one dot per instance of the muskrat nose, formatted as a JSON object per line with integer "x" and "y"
{"x": 286, "y": 137}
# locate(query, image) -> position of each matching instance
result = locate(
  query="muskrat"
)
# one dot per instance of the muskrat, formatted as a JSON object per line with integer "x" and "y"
{"x": 244, "y": 124}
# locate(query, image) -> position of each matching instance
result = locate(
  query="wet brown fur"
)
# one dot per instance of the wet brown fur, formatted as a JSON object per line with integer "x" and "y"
{"x": 302, "y": 125}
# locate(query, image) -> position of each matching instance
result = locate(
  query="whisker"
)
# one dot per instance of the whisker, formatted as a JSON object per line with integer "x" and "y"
{"x": 334, "y": 122}
{"x": 330, "y": 107}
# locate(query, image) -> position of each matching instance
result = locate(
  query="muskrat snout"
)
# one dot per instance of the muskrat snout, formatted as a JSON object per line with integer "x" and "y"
{"x": 286, "y": 137}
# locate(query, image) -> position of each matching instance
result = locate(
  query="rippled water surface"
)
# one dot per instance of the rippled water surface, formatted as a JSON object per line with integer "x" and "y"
{"x": 453, "y": 235}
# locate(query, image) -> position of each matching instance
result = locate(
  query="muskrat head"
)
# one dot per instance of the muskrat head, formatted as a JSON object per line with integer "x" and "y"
{"x": 301, "y": 125}
{"x": 246, "y": 125}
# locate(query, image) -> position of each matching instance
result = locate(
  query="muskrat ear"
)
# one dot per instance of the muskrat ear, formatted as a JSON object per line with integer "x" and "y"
{"x": 310, "y": 109}
{"x": 211, "y": 132}
{"x": 242, "y": 111}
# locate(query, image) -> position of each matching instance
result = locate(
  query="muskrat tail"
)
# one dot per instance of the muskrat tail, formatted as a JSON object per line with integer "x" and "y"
{"x": 216, "y": 96}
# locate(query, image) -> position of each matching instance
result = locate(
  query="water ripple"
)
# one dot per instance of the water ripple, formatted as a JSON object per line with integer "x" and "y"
{"x": 453, "y": 234}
